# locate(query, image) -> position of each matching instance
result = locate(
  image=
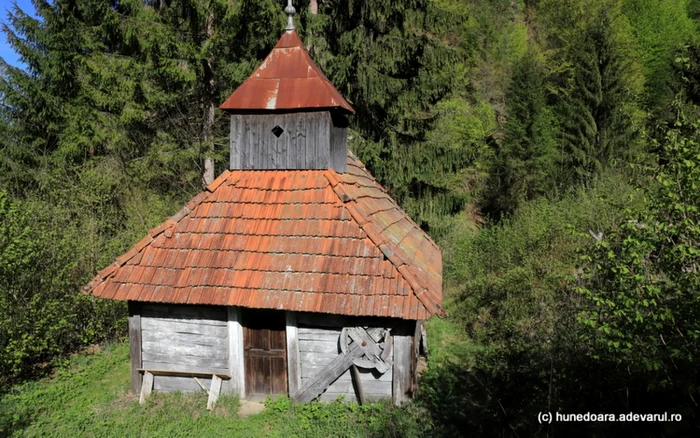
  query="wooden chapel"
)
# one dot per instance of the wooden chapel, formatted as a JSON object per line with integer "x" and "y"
{"x": 293, "y": 273}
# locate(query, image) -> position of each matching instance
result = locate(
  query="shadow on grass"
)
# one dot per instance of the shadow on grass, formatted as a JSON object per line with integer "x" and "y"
{"x": 503, "y": 396}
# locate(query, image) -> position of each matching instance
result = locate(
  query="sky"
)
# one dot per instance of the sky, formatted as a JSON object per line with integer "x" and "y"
{"x": 6, "y": 51}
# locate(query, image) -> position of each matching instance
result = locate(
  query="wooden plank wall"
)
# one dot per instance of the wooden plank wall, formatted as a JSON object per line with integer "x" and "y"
{"x": 309, "y": 141}
{"x": 180, "y": 337}
{"x": 135, "y": 345}
{"x": 402, "y": 379}
{"x": 339, "y": 143}
{"x": 318, "y": 347}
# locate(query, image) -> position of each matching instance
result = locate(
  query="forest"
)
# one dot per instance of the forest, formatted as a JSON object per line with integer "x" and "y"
{"x": 550, "y": 147}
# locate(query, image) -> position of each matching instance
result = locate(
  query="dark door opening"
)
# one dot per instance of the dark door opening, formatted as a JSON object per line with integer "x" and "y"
{"x": 265, "y": 345}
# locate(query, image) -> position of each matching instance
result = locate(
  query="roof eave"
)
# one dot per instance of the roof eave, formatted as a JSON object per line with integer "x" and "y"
{"x": 242, "y": 111}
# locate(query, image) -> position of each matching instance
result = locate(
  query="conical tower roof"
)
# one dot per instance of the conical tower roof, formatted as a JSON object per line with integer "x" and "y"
{"x": 288, "y": 79}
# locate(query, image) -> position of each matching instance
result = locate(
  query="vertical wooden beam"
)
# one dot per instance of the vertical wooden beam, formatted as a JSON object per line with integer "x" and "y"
{"x": 135, "y": 345}
{"x": 401, "y": 378}
{"x": 235, "y": 351}
{"x": 293, "y": 356}
{"x": 339, "y": 142}
{"x": 147, "y": 387}
{"x": 301, "y": 140}
{"x": 416, "y": 341}
{"x": 236, "y": 141}
{"x": 357, "y": 382}
{"x": 323, "y": 142}
{"x": 214, "y": 392}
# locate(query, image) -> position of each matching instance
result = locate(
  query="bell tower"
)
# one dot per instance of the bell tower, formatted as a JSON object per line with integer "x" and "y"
{"x": 287, "y": 115}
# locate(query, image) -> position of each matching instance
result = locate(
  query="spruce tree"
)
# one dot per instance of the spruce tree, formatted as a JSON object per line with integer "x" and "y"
{"x": 597, "y": 127}
{"x": 595, "y": 83}
{"x": 525, "y": 163}
{"x": 129, "y": 85}
{"x": 403, "y": 66}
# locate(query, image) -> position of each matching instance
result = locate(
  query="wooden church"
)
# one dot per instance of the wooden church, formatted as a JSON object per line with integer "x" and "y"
{"x": 293, "y": 273}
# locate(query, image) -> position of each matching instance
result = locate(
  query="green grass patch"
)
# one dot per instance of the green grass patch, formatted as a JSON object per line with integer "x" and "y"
{"x": 448, "y": 343}
{"x": 90, "y": 397}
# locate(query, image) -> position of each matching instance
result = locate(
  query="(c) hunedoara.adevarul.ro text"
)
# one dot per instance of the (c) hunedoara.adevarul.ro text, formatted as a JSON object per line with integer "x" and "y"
{"x": 548, "y": 417}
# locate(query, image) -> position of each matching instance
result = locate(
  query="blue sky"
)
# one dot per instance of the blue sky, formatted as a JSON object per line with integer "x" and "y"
{"x": 6, "y": 51}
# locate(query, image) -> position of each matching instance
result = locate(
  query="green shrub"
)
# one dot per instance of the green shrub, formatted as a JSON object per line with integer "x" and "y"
{"x": 510, "y": 283}
{"x": 43, "y": 314}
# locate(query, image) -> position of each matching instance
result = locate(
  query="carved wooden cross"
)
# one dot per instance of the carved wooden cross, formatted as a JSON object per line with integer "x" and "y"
{"x": 362, "y": 347}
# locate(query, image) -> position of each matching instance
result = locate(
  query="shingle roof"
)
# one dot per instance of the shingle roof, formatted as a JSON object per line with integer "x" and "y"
{"x": 288, "y": 79}
{"x": 301, "y": 240}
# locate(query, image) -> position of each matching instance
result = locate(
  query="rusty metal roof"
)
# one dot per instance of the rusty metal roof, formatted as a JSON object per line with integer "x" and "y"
{"x": 288, "y": 79}
{"x": 301, "y": 240}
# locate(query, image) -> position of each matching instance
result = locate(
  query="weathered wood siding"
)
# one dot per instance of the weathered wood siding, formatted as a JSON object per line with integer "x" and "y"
{"x": 293, "y": 361}
{"x": 181, "y": 337}
{"x": 403, "y": 367}
{"x": 339, "y": 143}
{"x": 235, "y": 351}
{"x": 318, "y": 347}
{"x": 135, "y": 345}
{"x": 309, "y": 140}
{"x": 210, "y": 339}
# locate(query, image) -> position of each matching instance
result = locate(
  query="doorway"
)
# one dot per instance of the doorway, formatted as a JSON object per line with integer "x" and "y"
{"x": 265, "y": 352}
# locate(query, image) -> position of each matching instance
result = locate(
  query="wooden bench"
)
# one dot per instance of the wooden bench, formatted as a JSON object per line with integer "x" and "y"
{"x": 213, "y": 391}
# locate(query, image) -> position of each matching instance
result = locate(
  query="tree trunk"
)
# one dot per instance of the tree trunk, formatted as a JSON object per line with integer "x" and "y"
{"x": 208, "y": 135}
{"x": 208, "y": 122}
{"x": 313, "y": 8}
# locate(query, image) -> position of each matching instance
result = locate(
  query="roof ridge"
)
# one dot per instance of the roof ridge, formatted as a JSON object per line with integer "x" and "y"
{"x": 390, "y": 250}
{"x": 166, "y": 226}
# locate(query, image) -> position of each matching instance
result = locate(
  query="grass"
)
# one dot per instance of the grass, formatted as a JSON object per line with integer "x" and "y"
{"x": 90, "y": 397}
{"x": 448, "y": 343}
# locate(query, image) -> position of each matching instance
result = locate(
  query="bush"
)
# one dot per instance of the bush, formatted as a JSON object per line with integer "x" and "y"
{"x": 510, "y": 282}
{"x": 45, "y": 260}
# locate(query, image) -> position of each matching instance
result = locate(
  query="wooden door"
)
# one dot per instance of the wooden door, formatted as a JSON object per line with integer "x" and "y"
{"x": 265, "y": 346}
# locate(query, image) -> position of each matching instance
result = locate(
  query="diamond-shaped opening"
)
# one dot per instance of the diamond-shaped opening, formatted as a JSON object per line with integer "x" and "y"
{"x": 277, "y": 130}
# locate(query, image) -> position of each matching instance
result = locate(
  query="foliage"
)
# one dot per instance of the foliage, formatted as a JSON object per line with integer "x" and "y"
{"x": 511, "y": 287}
{"x": 525, "y": 162}
{"x": 659, "y": 28}
{"x": 42, "y": 313}
{"x": 509, "y": 283}
{"x": 641, "y": 285}
{"x": 595, "y": 85}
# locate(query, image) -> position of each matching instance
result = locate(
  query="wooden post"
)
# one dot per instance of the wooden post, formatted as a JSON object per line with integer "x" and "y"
{"x": 416, "y": 341}
{"x": 293, "y": 358}
{"x": 214, "y": 391}
{"x": 147, "y": 387}
{"x": 135, "y": 345}
{"x": 401, "y": 378}
{"x": 357, "y": 381}
{"x": 235, "y": 351}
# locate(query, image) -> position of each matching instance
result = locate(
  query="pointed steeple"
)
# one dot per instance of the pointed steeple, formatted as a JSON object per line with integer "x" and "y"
{"x": 288, "y": 79}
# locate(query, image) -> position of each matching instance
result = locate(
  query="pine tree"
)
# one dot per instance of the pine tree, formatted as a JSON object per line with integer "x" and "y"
{"x": 397, "y": 62}
{"x": 597, "y": 127}
{"x": 525, "y": 163}
{"x": 131, "y": 83}
{"x": 596, "y": 85}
